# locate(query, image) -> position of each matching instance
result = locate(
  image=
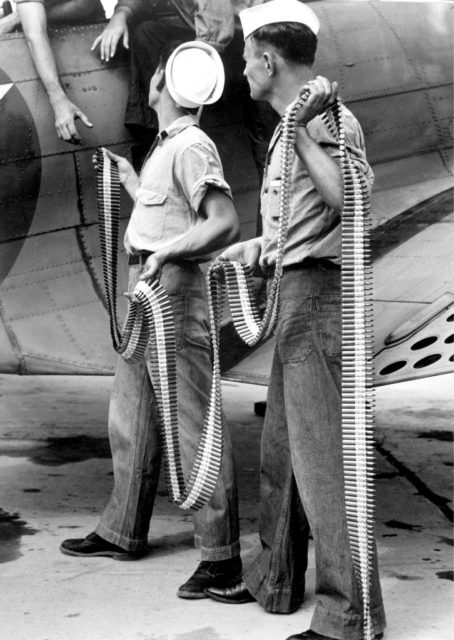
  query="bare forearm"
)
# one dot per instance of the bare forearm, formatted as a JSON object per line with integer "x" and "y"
{"x": 43, "y": 57}
{"x": 218, "y": 230}
{"x": 131, "y": 185}
{"x": 34, "y": 24}
{"x": 324, "y": 170}
{"x": 202, "y": 239}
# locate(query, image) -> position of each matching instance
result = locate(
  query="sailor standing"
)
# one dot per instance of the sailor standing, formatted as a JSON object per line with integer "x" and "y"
{"x": 182, "y": 211}
{"x": 302, "y": 483}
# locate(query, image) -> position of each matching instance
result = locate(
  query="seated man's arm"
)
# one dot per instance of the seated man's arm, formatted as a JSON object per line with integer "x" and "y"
{"x": 126, "y": 11}
{"x": 34, "y": 24}
{"x": 219, "y": 227}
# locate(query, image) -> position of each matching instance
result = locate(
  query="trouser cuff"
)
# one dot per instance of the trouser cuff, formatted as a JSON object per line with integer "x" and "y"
{"x": 342, "y": 626}
{"x": 128, "y": 544}
{"x": 214, "y": 554}
{"x": 278, "y": 599}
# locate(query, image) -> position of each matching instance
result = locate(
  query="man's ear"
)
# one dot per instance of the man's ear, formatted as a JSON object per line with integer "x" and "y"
{"x": 269, "y": 62}
{"x": 162, "y": 80}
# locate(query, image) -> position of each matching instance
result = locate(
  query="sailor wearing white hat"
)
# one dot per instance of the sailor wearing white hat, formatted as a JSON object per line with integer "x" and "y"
{"x": 195, "y": 74}
{"x": 278, "y": 11}
{"x": 182, "y": 211}
{"x": 301, "y": 451}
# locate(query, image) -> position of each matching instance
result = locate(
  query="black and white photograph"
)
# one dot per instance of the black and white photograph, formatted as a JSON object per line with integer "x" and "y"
{"x": 226, "y": 319}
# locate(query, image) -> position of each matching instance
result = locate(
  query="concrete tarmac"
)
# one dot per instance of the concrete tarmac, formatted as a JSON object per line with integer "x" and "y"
{"x": 56, "y": 476}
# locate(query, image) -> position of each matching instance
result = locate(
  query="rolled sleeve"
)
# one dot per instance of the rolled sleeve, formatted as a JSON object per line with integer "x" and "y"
{"x": 199, "y": 169}
{"x": 354, "y": 139}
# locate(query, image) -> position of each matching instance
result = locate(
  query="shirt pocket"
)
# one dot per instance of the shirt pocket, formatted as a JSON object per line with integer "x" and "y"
{"x": 152, "y": 203}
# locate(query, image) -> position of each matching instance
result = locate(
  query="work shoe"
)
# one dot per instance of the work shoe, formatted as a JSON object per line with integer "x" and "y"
{"x": 210, "y": 574}
{"x": 235, "y": 592}
{"x": 94, "y": 546}
{"x": 312, "y": 635}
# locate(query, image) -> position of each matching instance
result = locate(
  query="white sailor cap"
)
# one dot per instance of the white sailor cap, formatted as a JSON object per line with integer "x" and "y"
{"x": 277, "y": 11}
{"x": 195, "y": 74}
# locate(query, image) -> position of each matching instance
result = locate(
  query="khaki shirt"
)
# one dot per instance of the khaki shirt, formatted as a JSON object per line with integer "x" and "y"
{"x": 174, "y": 180}
{"x": 314, "y": 227}
{"x": 212, "y": 20}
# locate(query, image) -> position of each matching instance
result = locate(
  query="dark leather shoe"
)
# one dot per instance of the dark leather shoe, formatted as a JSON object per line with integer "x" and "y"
{"x": 312, "y": 635}
{"x": 210, "y": 574}
{"x": 95, "y": 546}
{"x": 234, "y": 593}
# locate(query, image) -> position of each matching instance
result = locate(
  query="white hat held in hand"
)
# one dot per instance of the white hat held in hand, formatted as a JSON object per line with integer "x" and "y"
{"x": 278, "y": 11}
{"x": 195, "y": 74}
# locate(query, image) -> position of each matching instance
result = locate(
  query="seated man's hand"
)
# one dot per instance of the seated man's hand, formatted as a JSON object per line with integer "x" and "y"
{"x": 109, "y": 38}
{"x": 66, "y": 113}
{"x": 322, "y": 95}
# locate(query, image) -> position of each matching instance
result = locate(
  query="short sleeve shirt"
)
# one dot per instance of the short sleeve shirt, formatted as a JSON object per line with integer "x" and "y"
{"x": 174, "y": 180}
{"x": 314, "y": 227}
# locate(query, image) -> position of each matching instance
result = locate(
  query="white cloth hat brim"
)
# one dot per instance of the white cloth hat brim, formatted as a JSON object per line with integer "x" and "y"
{"x": 195, "y": 74}
{"x": 277, "y": 11}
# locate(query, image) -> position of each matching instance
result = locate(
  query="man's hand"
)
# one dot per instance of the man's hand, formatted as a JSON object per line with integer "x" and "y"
{"x": 109, "y": 38}
{"x": 322, "y": 96}
{"x": 126, "y": 174}
{"x": 247, "y": 253}
{"x": 152, "y": 267}
{"x": 66, "y": 113}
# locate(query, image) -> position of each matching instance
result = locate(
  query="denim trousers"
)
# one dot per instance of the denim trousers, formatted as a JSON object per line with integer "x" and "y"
{"x": 134, "y": 429}
{"x": 301, "y": 475}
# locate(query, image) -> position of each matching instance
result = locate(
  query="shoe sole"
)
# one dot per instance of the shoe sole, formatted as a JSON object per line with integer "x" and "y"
{"x": 191, "y": 595}
{"x": 115, "y": 555}
{"x": 229, "y": 601}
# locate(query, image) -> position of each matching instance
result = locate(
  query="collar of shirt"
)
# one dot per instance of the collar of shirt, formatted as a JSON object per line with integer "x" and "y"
{"x": 177, "y": 126}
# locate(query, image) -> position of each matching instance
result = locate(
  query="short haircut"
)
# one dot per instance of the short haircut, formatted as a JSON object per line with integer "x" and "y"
{"x": 295, "y": 42}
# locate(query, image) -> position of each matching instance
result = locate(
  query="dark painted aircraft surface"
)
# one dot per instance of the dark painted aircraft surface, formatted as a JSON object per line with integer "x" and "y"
{"x": 394, "y": 65}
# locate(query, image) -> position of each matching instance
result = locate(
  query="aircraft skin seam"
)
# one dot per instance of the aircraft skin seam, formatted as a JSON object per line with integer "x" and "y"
{"x": 17, "y": 351}
{"x": 333, "y": 36}
{"x": 31, "y": 283}
{"x": 46, "y": 358}
{"x": 418, "y": 70}
{"x": 58, "y": 314}
{"x": 403, "y": 127}
{"x": 54, "y": 311}
{"x": 81, "y": 240}
{"x": 438, "y": 176}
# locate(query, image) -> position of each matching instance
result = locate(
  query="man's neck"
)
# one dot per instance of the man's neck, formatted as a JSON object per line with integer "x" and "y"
{"x": 288, "y": 86}
{"x": 167, "y": 112}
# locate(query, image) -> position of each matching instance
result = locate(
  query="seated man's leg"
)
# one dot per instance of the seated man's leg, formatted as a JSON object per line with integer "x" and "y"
{"x": 147, "y": 43}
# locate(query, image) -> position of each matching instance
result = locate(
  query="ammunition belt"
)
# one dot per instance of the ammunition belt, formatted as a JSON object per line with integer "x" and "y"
{"x": 149, "y": 324}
